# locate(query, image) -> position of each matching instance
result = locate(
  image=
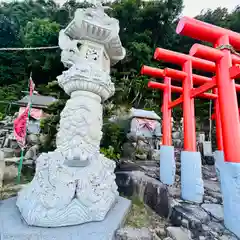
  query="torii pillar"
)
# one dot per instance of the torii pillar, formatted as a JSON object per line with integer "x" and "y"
{"x": 218, "y": 154}
{"x": 167, "y": 159}
{"x": 191, "y": 164}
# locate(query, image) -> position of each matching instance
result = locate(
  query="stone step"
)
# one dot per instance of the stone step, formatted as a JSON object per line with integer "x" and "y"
{"x": 16, "y": 160}
{"x": 150, "y": 190}
{"x": 178, "y": 233}
{"x": 12, "y": 159}
{"x": 13, "y": 227}
{"x": 129, "y": 233}
{"x": 147, "y": 163}
{"x": 193, "y": 214}
{"x": 203, "y": 222}
{"x": 215, "y": 210}
{"x": 8, "y": 152}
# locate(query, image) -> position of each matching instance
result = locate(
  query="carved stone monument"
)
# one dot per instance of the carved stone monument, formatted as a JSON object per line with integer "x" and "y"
{"x": 75, "y": 184}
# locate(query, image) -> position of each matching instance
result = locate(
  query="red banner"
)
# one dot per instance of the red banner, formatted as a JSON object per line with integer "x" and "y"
{"x": 31, "y": 86}
{"x": 20, "y": 123}
{"x": 20, "y": 128}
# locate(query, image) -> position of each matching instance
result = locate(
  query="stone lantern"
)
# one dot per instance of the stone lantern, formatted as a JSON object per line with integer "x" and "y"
{"x": 75, "y": 184}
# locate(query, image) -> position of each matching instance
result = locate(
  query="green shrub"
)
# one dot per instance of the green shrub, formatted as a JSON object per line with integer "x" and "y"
{"x": 113, "y": 136}
{"x": 1, "y": 116}
{"x": 110, "y": 153}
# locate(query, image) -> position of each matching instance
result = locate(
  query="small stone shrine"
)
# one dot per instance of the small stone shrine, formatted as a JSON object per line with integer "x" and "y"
{"x": 144, "y": 135}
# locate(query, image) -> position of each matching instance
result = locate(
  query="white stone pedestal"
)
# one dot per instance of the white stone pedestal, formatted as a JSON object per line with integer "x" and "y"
{"x": 13, "y": 227}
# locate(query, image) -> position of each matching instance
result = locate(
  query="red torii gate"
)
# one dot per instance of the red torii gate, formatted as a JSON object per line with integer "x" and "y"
{"x": 177, "y": 75}
{"x": 224, "y": 62}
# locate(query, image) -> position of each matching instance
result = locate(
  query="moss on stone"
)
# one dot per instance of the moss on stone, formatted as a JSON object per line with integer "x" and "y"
{"x": 141, "y": 216}
{"x": 138, "y": 216}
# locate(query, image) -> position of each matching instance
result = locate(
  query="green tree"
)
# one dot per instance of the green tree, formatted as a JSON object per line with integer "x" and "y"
{"x": 44, "y": 65}
{"x": 143, "y": 27}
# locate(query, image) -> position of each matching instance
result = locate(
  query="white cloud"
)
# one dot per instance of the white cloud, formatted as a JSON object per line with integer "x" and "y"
{"x": 194, "y": 7}
{"x": 191, "y": 7}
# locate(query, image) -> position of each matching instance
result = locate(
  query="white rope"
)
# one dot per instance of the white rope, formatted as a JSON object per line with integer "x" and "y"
{"x": 28, "y": 49}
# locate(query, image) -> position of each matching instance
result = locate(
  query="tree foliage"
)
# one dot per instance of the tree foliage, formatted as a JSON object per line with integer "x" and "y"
{"x": 144, "y": 25}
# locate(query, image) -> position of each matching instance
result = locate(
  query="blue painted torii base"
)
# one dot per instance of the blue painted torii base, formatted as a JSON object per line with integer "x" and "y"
{"x": 219, "y": 160}
{"x": 167, "y": 165}
{"x": 229, "y": 174}
{"x": 191, "y": 177}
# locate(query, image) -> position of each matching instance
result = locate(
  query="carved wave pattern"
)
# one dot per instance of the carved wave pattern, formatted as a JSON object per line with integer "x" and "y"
{"x": 80, "y": 127}
{"x": 62, "y": 196}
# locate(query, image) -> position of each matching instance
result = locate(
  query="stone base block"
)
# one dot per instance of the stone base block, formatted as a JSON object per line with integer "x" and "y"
{"x": 191, "y": 177}
{"x": 13, "y": 227}
{"x": 219, "y": 159}
{"x": 167, "y": 165}
{"x": 230, "y": 185}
